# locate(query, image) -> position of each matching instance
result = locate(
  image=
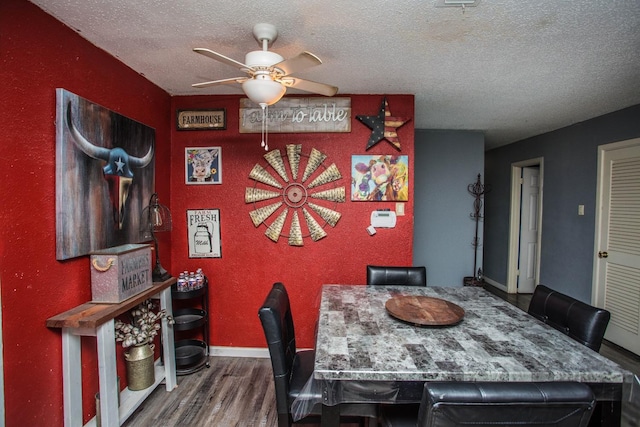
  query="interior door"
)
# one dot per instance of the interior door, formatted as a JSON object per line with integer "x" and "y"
{"x": 528, "y": 248}
{"x": 617, "y": 259}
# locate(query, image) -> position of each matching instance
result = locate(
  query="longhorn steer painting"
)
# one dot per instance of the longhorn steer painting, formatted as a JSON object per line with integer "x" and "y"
{"x": 104, "y": 176}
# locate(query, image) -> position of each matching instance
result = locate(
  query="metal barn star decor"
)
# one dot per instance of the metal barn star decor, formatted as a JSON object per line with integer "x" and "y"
{"x": 384, "y": 126}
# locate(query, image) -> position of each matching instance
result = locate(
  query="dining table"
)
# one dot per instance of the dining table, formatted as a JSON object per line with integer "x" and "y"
{"x": 368, "y": 351}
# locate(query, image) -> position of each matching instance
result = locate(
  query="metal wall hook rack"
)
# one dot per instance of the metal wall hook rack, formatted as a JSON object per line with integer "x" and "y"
{"x": 477, "y": 190}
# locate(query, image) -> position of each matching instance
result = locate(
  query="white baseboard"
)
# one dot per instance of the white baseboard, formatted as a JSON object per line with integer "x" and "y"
{"x": 256, "y": 352}
{"x": 495, "y": 284}
{"x": 239, "y": 352}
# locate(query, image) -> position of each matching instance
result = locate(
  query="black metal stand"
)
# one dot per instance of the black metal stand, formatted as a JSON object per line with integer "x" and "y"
{"x": 192, "y": 353}
{"x": 477, "y": 190}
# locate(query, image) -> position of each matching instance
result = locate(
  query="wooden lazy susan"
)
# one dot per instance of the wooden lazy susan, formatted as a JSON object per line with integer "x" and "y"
{"x": 424, "y": 311}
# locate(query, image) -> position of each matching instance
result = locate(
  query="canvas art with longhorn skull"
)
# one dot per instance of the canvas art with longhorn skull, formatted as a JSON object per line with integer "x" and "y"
{"x": 104, "y": 176}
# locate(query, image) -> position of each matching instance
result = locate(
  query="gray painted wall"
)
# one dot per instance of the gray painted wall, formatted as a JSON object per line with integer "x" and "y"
{"x": 570, "y": 178}
{"x": 446, "y": 162}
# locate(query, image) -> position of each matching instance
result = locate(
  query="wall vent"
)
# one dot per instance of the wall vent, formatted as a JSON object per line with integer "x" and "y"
{"x": 457, "y": 3}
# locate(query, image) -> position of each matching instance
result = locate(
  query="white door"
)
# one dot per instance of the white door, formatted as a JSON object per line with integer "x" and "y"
{"x": 534, "y": 222}
{"x": 617, "y": 259}
{"x": 528, "y": 248}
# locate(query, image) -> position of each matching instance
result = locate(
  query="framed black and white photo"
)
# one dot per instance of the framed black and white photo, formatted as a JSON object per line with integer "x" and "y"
{"x": 203, "y": 233}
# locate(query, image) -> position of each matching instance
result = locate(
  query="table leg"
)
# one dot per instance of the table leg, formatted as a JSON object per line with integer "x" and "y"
{"x": 107, "y": 374}
{"x": 606, "y": 414}
{"x": 71, "y": 378}
{"x": 330, "y": 416}
{"x": 168, "y": 348}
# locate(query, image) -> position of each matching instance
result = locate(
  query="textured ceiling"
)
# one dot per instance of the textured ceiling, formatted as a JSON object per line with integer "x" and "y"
{"x": 508, "y": 68}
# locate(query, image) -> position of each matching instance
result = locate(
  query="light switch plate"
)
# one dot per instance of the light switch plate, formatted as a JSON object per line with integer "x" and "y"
{"x": 399, "y": 209}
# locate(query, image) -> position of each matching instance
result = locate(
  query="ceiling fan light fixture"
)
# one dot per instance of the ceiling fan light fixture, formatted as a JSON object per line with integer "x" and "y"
{"x": 263, "y": 90}
{"x": 266, "y": 70}
{"x": 262, "y": 58}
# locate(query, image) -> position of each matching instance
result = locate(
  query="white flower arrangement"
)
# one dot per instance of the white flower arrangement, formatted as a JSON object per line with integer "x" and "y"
{"x": 144, "y": 325}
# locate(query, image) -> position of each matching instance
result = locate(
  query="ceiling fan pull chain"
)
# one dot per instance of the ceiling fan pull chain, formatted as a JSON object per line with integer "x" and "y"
{"x": 266, "y": 128}
{"x": 263, "y": 133}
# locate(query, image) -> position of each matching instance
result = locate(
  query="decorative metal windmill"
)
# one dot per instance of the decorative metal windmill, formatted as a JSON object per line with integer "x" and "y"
{"x": 294, "y": 195}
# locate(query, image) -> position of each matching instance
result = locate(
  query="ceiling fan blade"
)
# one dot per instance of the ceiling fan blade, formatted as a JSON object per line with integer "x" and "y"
{"x": 221, "y": 82}
{"x": 297, "y": 63}
{"x": 219, "y": 57}
{"x": 309, "y": 86}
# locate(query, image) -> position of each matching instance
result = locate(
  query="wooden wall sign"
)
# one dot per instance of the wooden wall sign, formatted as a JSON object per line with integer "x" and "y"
{"x": 298, "y": 115}
{"x": 201, "y": 119}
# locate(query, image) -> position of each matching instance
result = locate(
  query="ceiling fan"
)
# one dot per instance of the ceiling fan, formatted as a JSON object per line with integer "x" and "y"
{"x": 268, "y": 74}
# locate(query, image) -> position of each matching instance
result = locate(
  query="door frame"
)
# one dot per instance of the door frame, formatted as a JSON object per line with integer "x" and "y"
{"x": 514, "y": 220}
{"x": 597, "y": 289}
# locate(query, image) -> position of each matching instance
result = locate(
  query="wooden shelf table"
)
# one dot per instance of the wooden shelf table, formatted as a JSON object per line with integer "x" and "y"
{"x": 97, "y": 319}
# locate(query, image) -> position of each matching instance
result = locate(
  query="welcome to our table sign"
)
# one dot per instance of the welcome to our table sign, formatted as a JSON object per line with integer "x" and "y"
{"x": 298, "y": 115}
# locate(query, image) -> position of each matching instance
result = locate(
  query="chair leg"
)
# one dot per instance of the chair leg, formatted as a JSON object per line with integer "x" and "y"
{"x": 284, "y": 420}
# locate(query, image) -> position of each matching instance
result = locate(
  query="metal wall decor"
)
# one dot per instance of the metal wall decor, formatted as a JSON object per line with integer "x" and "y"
{"x": 277, "y": 191}
{"x": 384, "y": 125}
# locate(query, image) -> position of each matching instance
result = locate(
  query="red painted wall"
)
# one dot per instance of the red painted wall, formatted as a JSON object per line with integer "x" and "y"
{"x": 251, "y": 262}
{"x": 37, "y": 55}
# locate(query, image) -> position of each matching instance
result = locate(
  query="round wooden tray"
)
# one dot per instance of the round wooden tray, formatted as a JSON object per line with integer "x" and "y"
{"x": 424, "y": 311}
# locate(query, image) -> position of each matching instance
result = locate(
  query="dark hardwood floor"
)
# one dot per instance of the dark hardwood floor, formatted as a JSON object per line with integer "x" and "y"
{"x": 238, "y": 392}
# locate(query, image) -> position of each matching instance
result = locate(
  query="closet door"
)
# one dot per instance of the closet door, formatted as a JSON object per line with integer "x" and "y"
{"x": 617, "y": 258}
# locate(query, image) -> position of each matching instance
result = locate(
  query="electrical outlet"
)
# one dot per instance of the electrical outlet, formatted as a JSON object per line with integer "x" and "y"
{"x": 580, "y": 209}
{"x": 399, "y": 209}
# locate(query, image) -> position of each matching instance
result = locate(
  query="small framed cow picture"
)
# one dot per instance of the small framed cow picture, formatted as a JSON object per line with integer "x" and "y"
{"x": 203, "y": 165}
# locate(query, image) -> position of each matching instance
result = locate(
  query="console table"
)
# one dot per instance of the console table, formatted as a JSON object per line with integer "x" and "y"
{"x": 97, "y": 319}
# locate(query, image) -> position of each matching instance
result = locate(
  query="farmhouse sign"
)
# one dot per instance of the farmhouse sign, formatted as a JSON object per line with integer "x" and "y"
{"x": 298, "y": 115}
{"x": 201, "y": 119}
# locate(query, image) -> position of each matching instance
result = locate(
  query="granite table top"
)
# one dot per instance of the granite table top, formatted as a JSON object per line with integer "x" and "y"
{"x": 496, "y": 341}
{"x": 365, "y": 355}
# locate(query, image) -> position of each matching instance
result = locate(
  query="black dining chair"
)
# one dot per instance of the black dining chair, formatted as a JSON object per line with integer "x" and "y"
{"x": 452, "y": 404}
{"x": 582, "y": 322}
{"x": 292, "y": 368}
{"x": 391, "y": 275}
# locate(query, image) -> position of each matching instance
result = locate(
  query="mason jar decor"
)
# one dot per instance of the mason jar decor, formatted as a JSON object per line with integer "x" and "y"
{"x": 137, "y": 335}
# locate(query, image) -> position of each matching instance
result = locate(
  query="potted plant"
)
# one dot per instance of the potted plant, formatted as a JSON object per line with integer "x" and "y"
{"x": 138, "y": 334}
